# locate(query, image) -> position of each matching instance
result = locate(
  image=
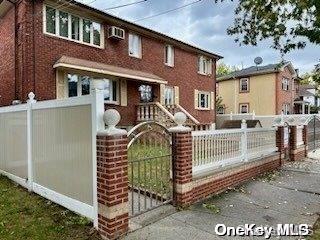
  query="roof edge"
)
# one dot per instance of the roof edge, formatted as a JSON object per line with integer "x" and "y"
{"x": 134, "y": 25}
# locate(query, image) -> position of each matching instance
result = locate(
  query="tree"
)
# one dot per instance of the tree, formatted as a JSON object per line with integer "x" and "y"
{"x": 219, "y": 105}
{"x": 288, "y": 23}
{"x": 224, "y": 69}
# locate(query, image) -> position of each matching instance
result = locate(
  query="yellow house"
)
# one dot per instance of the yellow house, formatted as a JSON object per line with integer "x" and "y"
{"x": 265, "y": 90}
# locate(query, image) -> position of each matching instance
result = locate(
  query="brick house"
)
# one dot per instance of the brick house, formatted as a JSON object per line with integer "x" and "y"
{"x": 58, "y": 49}
{"x": 266, "y": 90}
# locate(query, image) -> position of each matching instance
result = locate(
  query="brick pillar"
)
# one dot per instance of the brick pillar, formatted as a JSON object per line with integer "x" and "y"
{"x": 280, "y": 142}
{"x": 182, "y": 163}
{"x": 112, "y": 181}
{"x": 305, "y": 139}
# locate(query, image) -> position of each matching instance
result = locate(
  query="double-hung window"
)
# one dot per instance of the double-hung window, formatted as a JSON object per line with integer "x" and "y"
{"x": 285, "y": 84}
{"x": 204, "y": 100}
{"x": 204, "y": 65}
{"x": 135, "y": 48}
{"x": 169, "y": 96}
{"x": 244, "y": 85}
{"x": 169, "y": 55}
{"x": 243, "y": 108}
{"x": 69, "y": 26}
{"x": 79, "y": 85}
{"x": 286, "y": 109}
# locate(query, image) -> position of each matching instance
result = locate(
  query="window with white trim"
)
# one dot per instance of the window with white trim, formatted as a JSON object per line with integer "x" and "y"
{"x": 285, "y": 84}
{"x": 204, "y": 65}
{"x": 80, "y": 85}
{"x": 135, "y": 48}
{"x": 244, "y": 85}
{"x": 169, "y": 55}
{"x": 69, "y": 26}
{"x": 204, "y": 100}
{"x": 243, "y": 108}
{"x": 169, "y": 96}
{"x": 286, "y": 109}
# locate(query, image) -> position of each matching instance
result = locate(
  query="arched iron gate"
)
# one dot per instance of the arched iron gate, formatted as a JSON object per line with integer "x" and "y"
{"x": 314, "y": 133}
{"x": 150, "y": 167}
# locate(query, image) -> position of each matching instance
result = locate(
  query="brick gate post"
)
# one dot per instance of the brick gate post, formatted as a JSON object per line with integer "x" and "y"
{"x": 293, "y": 142}
{"x": 182, "y": 162}
{"x": 112, "y": 178}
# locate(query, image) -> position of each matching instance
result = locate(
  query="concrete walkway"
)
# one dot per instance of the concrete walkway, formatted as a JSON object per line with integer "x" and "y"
{"x": 289, "y": 196}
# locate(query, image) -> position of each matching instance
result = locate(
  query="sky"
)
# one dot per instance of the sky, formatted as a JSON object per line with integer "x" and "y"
{"x": 204, "y": 24}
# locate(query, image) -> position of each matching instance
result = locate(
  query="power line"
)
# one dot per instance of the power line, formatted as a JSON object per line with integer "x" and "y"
{"x": 168, "y": 11}
{"x": 125, "y": 5}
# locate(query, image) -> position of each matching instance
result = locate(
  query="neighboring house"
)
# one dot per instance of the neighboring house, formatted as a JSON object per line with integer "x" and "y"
{"x": 56, "y": 49}
{"x": 265, "y": 90}
{"x": 306, "y": 99}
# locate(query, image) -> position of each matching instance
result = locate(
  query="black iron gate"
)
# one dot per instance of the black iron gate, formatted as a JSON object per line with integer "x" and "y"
{"x": 150, "y": 167}
{"x": 314, "y": 133}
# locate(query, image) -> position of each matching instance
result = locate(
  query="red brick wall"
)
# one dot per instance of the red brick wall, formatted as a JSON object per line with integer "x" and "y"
{"x": 49, "y": 49}
{"x": 7, "y": 60}
{"x": 283, "y": 96}
{"x": 219, "y": 185}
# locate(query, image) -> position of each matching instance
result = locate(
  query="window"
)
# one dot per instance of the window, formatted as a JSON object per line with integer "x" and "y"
{"x": 80, "y": 85}
{"x": 169, "y": 96}
{"x": 285, "y": 84}
{"x": 244, "y": 85}
{"x": 66, "y": 25}
{"x": 204, "y": 65}
{"x": 243, "y": 108}
{"x": 169, "y": 55}
{"x": 111, "y": 91}
{"x": 87, "y": 31}
{"x": 286, "y": 109}
{"x": 63, "y": 24}
{"x": 135, "y": 45}
{"x": 146, "y": 94}
{"x": 75, "y": 28}
{"x": 50, "y": 20}
{"x": 204, "y": 100}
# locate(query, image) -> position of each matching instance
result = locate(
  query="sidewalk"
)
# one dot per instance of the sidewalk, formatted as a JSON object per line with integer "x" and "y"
{"x": 289, "y": 196}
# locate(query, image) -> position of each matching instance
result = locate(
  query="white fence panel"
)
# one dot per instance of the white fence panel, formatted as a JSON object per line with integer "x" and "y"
{"x": 13, "y": 143}
{"x": 261, "y": 142}
{"x": 216, "y": 149}
{"x": 300, "y": 136}
{"x": 50, "y": 147}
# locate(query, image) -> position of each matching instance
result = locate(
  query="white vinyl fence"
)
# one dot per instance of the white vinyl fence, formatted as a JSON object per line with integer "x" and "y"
{"x": 49, "y": 147}
{"x": 266, "y": 121}
{"x": 216, "y": 149}
{"x": 300, "y": 136}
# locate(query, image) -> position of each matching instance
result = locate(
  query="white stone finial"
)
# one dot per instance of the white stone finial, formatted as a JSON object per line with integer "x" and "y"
{"x": 31, "y": 97}
{"x": 180, "y": 118}
{"x": 112, "y": 117}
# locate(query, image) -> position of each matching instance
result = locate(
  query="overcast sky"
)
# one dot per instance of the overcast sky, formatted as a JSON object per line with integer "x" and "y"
{"x": 204, "y": 24}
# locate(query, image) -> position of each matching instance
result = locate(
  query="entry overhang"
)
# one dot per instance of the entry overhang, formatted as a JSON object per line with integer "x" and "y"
{"x": 100, "y": 68}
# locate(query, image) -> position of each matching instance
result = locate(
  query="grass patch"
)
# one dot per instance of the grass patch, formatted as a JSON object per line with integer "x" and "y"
{"x": 149, "y": 168}
{"x": 28, "y": 216}
{"x": 316, "y": 231}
